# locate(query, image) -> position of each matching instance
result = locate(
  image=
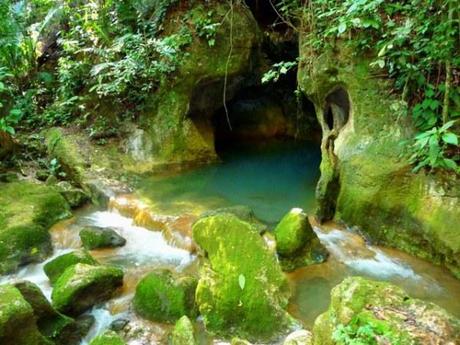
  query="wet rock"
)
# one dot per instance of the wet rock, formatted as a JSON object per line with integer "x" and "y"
{"x": 162, "y": 297}
{"x": 242, "y": 290}
{"x": 27, "y": 210}
{"x": 183, "y": 333}
{"x": 76, "y": 197}
{"x": 84, "y": 324}
{"x": 55, "y": 326}
{"x": 17, "y": 320}
{"x": 119, "y": 324}
{"x": 54, "y": 268}
{"x": 95, "y": 237}
{"x": 108, "y": 338}
{"x": 365, "y": 311}
{"x": 300, "y": 337}
{"x": 243, "y": 212}
{"x": 296, "y": 242}
{"x": 81, "y": 286}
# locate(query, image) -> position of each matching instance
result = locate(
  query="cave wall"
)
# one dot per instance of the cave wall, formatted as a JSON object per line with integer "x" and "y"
{"x": 365, "y": 181}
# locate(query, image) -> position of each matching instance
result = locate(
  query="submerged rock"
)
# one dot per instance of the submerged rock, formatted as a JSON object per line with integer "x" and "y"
{"x": 183, "y": 333}
{"x": 27, "y": 210}
{"x": 81, "y": 286}
{"x": 296, "y": 242}
{"x": 370, "y": 312}
{"x": 162, "y": 297}
{"x": 108, "y": 338}
{"x": 95, "y": 237}
{"x": 242, "y": 290}
{"x": 54, "y": 268}
{"x": 17, "y": 320}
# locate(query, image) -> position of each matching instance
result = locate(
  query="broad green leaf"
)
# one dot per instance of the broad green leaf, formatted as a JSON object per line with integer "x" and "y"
{"x": 450, "y": 138}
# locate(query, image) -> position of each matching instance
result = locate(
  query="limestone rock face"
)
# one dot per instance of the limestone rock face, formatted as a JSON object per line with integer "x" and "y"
{"x": 81, "y": 286}
{"x": 162, "y": 297}
{"x": 54, "y": 268}
{"x": 94, "y": 238}
{"x": 242, "y": 290}
{"x": 365, "y": 181}
{"x": 27, "y": 210}
{"x": 371, "y": 312}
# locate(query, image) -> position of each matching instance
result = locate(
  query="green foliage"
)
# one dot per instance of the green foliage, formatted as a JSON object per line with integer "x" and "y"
{"x": 359, "y": 332}
{"x": 206, "y": 28}
{"x": 432, "y": 147}
{"x": 277, "y": 70}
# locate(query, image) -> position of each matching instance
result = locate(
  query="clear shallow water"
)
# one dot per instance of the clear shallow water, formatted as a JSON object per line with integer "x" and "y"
{"x": 269, "y": 178}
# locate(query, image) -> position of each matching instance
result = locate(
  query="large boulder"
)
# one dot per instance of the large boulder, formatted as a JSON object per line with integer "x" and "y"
{"x": 108, "y": 338}
{"x": 369, "y": 312}
{"x": 27, "y": 210}
{"x": 162, "y": 297}
{"x": 54, "y": 268}
{"x": 17, "y": 320}
{"x": 296, "y": 242}
{"x": 81, "y": 286}
{"x": 183, "y": 333}
{"x": 94, "y": 238}
{"x": 365, "y": 179}
{"x": 242, "y": 290}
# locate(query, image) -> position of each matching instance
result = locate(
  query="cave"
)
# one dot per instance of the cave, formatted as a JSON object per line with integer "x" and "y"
{"x": 337, "y": 109}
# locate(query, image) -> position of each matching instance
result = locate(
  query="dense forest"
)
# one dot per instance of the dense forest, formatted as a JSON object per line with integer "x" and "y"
{"x": 229, "y": 171}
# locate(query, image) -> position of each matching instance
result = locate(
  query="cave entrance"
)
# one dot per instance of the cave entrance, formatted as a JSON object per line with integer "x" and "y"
{"x": 337, "y": 109}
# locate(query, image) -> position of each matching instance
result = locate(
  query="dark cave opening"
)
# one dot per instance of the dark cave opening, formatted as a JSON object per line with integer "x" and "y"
{"x": 337, "y": 109}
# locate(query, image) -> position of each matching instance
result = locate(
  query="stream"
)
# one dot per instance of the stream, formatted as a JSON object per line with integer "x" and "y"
{"x": 270, "y": 179}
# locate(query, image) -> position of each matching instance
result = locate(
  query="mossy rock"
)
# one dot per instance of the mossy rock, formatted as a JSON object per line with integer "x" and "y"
{"x": 17, "y": 321}
{"x": 27, "y": 210}
{"x": 56, "y": 327}
{"x": 54, "y": 268}
{"x": 81, "y": 286}
{"x": 242, "y": 290}
{"x": 162, "y": 297}
{"x": 108, "y": 338}
{"x": 243, "y": 212}
{"x": 95, "y": 238}
{"x": 183, "y": 333}
{"x": 296, "y": 242}
{"x": 370, "y": 312}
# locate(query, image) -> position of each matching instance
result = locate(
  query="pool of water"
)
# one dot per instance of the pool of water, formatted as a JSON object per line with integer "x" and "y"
{"x": 270, "y": 178}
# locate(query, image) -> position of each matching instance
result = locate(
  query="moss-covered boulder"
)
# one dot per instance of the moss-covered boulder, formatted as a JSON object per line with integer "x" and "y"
{"x": 162, "y": 297}
{"x": 366, "y": 179}
{"x": 369, "y": 312}
{"x": 108, "y": 338}
{"x": 27, "y": 210}
{"x": 183, "y": 333}
{"x": 296, "y": 242}
{"x": 95, "y": 237}
{"x": 81, "y": 286}
{"x": 243, "y": 212}
{"x": 242, "y": 289}
{"x": 56, "y": 327}
{"x": 17, "y": 321}
{"x": 54, "y": 268}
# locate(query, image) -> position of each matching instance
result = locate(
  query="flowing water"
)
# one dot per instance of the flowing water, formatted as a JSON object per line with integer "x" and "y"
{"x": 271, "y": 179}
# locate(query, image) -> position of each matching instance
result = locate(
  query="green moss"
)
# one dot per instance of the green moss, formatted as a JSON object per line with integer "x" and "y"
{"x": 94, "y": 238}
{"x": 364, "y": 310}
{"x": 81, "y": 286}
{"x": 54, "y": 268}
{"x": 17, "y": 321}
{"x": 183, "y": 333}
{"x": 242, "y": 289}
{"x": 162, "y": 297}
{"x": 108, "y": 338}
{"x": 27, "y": 210}
{"x": 65, "y": 150}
